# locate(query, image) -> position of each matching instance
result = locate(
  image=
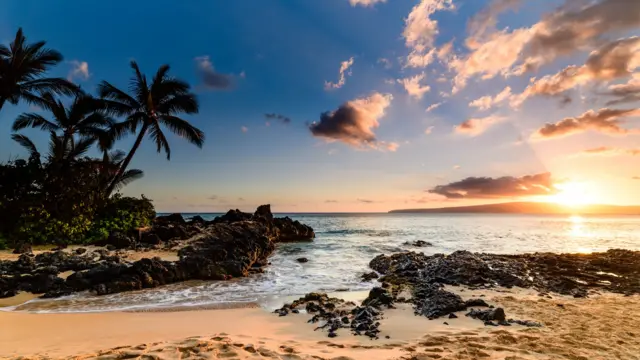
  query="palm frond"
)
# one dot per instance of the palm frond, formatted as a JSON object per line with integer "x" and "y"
{"x": 161, "y": 141}
{"x": 33, "y": 120}
{"x": 183, "y": 129}
{"x": 184, "y": 103}
{"x": 120, "y": 100}
{"x": 54, "y": 85}
{"x": 4, "y": 51}
{"x": 138, "y": 85}
{"x": 128, "y": 177}
{"x": 80, "y": 148}
{"x": 26, "y": 143}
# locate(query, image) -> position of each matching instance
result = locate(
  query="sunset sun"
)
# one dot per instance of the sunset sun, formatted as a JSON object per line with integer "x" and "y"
{"x": 573, "y": 194}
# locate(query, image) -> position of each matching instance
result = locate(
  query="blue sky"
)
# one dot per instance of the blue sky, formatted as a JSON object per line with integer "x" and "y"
{"x": 279, "y": 54}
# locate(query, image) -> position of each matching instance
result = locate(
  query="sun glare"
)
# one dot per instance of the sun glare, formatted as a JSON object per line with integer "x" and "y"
{"x": 573, "y": 194}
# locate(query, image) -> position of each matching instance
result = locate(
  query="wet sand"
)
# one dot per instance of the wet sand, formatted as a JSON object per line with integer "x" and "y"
{"x": 600, "y": 327}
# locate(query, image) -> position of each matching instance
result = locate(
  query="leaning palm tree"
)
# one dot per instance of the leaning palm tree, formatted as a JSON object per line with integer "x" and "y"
{"x": 109, "y": 166}
{"x": 22, "y": 68}
{"x": 150, "y": 106}
{"x": 83, "y": 117}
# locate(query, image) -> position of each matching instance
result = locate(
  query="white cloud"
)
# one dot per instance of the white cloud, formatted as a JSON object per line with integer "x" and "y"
{"x": 79, "y": 70}
{"x": 428, "y": 130}
{"x": 487, "y": 102}
{"x": 433, "y": 107}
{"x": 421, "y": 30}
{"x": 386, "y": 62}
{"x": 475, "y": 127}
{"x": 365, "y": 3}
{"x": 413, "y": 87}
{"x": 344, "y": 66}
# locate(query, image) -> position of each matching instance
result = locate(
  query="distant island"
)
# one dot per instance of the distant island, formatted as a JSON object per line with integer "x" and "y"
{"x": 529, "y": 208}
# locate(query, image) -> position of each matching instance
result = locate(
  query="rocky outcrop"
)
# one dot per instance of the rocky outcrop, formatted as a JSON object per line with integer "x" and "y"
{"x": 23, "y": 248}
{"x": 567, "y": 274}
{"x": 234, "y": 245}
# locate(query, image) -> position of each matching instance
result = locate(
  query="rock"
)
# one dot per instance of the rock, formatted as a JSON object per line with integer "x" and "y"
{"x": 110, "y": 247}
{"x": 378, "y": 297}
{"x": 150, "y": 238}
{"x": 172, "y": 218}
{"x": 302, "y": 260}
{"x": 418, "y": 243}
{"x": 453, "y": 316}
{"x": 197, "y": 219}
{"x": 23, "y": 248}
{"x": 233, "y": 216}
{"x": 369, "y": 276}
{"x": 496, "y": 314}
{"x": 120, "y": 240}
{"x": 263, "y": 212}
{"x": 80, "y": 251}
{"x": 292, "y": 230}
{"x": 167, "y": 233}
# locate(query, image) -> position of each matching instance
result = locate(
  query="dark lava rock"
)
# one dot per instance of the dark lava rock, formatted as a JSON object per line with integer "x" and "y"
{"x": 378, "y": 297}
{"x": 496, "y": 314}
{"x": 166, "y": 233}
{"x": 150, "y": 238}
{"x": 120, "y": 240}
{"x": 80, "y": 251}
{"x": 527, "y": 323}
{"x": 197, "y": 220}
{"x": 302, "y": 260}
{"x": 172, "y": 218}
{"x": 110, "y": 247}
{"x": 418, "y": 243}
{"x": 453, "y": 316}
{"x": 233, "y": 216}
{"x": 433, "y": 302}
{"x": 369, "y": 276}
{"x": 23, "y": 248}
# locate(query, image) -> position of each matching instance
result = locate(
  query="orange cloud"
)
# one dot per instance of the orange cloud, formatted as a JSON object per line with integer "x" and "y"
{"x": 413, "y": 87}
{"x": 506, "y": 186}
{"x": 605, "y": 120}
{"x": 475, "y": 127}
{"x": 344, "y": 66}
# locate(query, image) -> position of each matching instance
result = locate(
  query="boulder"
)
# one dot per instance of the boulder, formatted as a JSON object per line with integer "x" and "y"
{"x": 172, "y": 218}
{"x": 150, "y": 238}
{"x": 120, "y": 240}
{"x": 378, "y": 297}
{"x": 302, "y": 260}
{"x": 23, "y": 248}
{"x": 369, "y": 276}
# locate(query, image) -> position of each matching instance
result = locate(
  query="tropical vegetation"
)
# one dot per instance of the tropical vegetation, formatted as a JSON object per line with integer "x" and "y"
{"x": 63, "y": 194}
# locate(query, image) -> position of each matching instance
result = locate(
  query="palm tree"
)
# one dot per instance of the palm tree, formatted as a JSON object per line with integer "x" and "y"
{"x": 22, "y": 67}
{"x": 84, "y": 117}
{"x": 59, "y": 152}
{"x": 149, "y": 107}
{"x": 108, "y": 169}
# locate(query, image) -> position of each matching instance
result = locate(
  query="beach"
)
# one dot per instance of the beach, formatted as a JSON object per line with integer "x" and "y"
{"x": 599, "y": 327}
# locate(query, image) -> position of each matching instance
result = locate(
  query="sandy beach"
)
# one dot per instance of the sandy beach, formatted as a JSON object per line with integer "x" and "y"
{"x": 599, "y": 327}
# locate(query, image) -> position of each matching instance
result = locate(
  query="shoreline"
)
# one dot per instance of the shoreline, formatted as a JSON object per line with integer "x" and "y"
{"x": 606, "y": 320}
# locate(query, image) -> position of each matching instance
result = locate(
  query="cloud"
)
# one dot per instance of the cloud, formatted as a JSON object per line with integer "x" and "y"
{"x": 492, "y": 188}
{"x": 614, "y": 60}
{"x": 609, "y": 151}
{"x": 420, "y": 31}
{"x": 433, "y": 107}
{"x": 240, "y": 199}
{"x": 574, "y": 27}
{"x": 79, "y": 70}
{"x": 605, "y": 120}
{"x": 626, "y": 93}
{"x": 429, "y": 130}
{"x": 413, "y": 87}
{"x": 487, "y": 102}
{"x": 475, "y": 127}
{"x": 386, "y": 62}
{"x": 391, "y": 146}
{"x": 283, "y": 119}
{"x": 213, "y": 197}
{"x": 485, "y": 20}
{"x": 344, "y": 66}
{"x": 456, "y": 167}
{"x": 244, "y": 129}
{"x": 365, "y": 3}
{"x": 211, "y": 79}
{"x": 365, "y": 201}
{"x": 636, "y": 178}
{"x": 331, "y": 201}
{"x": 354, "y": 121}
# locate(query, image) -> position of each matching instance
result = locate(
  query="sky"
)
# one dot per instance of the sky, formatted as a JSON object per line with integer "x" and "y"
{"x": 366, "y": 105}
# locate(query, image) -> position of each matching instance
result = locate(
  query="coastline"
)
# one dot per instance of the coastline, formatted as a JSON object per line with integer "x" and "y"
{"x": 601, "y": 326}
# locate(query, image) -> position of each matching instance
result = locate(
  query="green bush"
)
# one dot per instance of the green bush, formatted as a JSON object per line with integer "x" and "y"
{"x": 123, "y": 214}
{"x": 37, "y": 227}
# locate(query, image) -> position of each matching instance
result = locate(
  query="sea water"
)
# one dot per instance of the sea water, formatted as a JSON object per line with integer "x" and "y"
{"x": 346, "y": 243}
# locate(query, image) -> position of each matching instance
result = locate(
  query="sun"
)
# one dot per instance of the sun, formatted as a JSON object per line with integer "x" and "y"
{"x": 572, "y": 194}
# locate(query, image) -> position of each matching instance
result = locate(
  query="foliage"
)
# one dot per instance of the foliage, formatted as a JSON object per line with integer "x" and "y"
{"x": 36, "y": 226}
{"x": 122, "y": 214}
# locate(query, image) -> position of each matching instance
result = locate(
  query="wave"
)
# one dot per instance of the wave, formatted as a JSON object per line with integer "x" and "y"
{"x": 366, "y": 232}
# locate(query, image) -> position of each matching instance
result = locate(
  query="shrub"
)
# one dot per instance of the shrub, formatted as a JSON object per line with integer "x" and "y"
{"x": 122, "y": 214}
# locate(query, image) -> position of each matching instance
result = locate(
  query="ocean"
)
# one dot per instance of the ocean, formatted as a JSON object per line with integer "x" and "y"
{"x": 345, "y": 244}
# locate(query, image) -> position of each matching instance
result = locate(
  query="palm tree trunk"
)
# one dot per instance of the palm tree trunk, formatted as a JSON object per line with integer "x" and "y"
{"x": 127, "y": 160}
